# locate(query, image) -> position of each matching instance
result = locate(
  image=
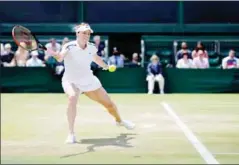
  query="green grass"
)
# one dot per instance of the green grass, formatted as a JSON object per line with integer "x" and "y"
{"x": 34, "y": 127}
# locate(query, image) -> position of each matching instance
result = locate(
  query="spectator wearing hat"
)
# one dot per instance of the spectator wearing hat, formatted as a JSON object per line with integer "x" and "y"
{"x": 154, "y": 71}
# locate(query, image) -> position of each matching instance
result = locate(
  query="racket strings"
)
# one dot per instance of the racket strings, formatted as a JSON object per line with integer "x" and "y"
{"x": 25, "y": 38}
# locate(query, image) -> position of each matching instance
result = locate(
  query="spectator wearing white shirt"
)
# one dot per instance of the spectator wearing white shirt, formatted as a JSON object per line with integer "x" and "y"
{"x": 201, "y": 62}
{"x": 185, "y": 62}
{"x": 230, "y": 61}
{"x": 53, "y": 45}
{"x": 154, "y": 70}
{"x": 1, "y": 51}
{"x": 34, "y": 61}
{"x": 7, "y": 55}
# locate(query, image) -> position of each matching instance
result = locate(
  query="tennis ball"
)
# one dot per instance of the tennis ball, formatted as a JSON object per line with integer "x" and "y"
{"x": 112, "y": 68}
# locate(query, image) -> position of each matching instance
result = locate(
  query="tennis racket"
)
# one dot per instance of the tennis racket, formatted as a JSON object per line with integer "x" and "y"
{"x": 24, "y": 38}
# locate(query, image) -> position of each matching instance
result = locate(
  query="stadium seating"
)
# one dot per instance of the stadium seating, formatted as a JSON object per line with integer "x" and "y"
{"x": 163, "y": 47}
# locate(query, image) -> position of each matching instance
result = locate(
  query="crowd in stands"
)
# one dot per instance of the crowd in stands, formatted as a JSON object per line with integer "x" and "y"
{"x": 199, "y": 58}
{"x": 185, "y": 58}
{"x": 23, "y": 58}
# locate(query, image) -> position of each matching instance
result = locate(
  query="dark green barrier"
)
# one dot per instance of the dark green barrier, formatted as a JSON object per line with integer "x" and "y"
{"x": 43, "y": 80}
{"x": 29, "y": 80}
{"x": 126, "y": 80}
{"x": 202, "y": 81}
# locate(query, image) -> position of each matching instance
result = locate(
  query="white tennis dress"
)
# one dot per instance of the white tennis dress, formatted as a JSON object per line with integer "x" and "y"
{"x": 78, "y": 71}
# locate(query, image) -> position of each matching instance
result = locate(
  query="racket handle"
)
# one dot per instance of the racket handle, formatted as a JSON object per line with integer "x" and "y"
{"x": 42, "y": 47}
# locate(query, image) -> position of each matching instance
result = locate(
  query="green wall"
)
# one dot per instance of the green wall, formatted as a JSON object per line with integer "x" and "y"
{"x": 202, "y": 81}
{"x": 126, "y": 80}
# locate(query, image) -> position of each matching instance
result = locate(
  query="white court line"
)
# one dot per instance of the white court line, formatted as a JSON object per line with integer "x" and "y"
{"x": 205, "y": 154}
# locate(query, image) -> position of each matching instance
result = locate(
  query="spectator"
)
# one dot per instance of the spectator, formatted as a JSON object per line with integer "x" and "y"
{"x": 7, "y": 55}
{"x": 103, "y": 57}
{"x": 200, "y": 46}
{"x": 184, "y": 49}
{"x": 21, "y": 56}
{"x": 126, "y": 60}
{"x": 116, "y": 59}
{"x": 154, "y": 70}
{"x": 1, "y": 48}
{"x": 100, "y": 50}
{"x": 185, "y": 62}
{"x": 99, "y": 45}
{"x": 135, "y": 60}
{"x": 54, "y": 46}
{"x": 64, "y": 41}
{"x": 201, "y": 62}
{"x": 230, "y": 61}
{"x": 34, "y": 61}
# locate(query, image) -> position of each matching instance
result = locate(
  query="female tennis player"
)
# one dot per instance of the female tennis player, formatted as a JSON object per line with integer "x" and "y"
{"x": 78, "y": 77}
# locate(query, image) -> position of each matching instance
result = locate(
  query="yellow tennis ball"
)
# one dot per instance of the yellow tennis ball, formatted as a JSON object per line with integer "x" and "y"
{"x": 112, "y": 68}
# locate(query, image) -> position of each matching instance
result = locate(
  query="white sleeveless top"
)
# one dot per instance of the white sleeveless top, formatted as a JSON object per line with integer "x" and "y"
{"x": 77, "y": 63}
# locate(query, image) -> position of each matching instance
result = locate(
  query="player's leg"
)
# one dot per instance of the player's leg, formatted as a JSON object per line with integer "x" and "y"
{"x": 73, "y": 94}
{"x": 100, "y": 95}
{"x": 160, "y": 80}
{"x": 151, "y": 81}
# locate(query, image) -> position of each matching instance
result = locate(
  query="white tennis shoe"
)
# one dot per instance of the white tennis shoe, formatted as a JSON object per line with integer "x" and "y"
{"x": 71, "y": 139}
{"x": 127, "y": 124}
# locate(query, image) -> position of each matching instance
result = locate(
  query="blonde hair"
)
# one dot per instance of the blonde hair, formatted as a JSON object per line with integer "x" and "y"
{"x": 154, "y": 57}
{"x": 7, "y": 45}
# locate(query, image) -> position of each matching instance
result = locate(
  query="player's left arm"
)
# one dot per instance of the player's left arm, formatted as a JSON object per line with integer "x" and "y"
{"x": 99, "y": 61}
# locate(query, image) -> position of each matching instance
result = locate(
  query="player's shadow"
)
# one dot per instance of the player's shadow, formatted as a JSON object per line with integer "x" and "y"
{"x": 120, "y": 141}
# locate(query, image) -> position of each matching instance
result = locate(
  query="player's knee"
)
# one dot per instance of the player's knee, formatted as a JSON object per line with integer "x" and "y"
{"x": 72, "y": 98}
{"x": 109, "y": 105}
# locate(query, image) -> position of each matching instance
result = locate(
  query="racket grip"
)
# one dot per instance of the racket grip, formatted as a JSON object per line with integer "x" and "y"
{"x": 42, "y": 47}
